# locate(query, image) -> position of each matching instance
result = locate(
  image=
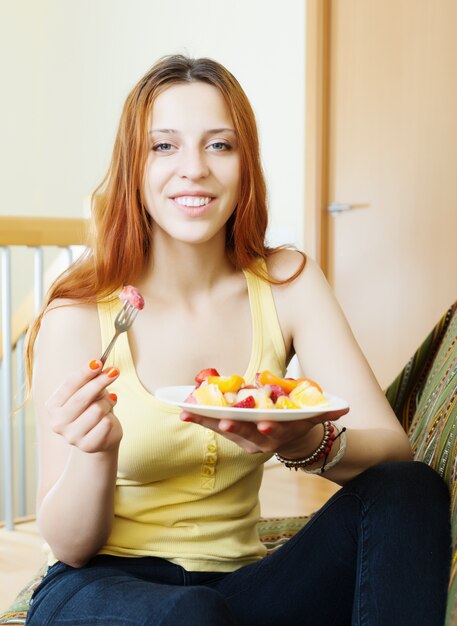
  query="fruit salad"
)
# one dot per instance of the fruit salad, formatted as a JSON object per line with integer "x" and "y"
{"x": 132, "y": 296}
{"x": 268, "y": 392}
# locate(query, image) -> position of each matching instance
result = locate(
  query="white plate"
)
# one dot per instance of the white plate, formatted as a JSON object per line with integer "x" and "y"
{"x": 176, "y": 396}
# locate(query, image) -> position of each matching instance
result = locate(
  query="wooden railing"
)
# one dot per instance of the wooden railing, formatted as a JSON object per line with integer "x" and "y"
{"x": 42, "y": 231}
{"x": 35, "y": 233}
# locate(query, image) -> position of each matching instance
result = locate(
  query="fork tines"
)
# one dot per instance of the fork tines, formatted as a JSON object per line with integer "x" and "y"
{"x": 127, "y": 314}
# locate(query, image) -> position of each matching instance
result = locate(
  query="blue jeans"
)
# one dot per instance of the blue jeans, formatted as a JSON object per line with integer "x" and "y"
{"x": 376, "y": 554}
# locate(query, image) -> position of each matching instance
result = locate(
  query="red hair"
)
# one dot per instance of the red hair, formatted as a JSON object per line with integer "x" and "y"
{"x": 119, "y": 244}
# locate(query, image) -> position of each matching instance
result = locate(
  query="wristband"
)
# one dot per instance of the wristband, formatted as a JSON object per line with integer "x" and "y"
{"x": 336, "y": 459}
{"x": 321, "y": 452}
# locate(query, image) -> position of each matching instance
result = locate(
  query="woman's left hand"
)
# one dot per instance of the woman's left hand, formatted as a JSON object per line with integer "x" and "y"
{"x": 287, "y": 438}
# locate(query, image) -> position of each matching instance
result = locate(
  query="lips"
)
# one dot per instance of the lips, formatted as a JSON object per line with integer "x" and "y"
{"x": 193, "y": 203}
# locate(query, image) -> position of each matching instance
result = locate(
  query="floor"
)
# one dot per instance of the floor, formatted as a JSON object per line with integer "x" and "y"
{"x": 283, "y": 493}
{"x": 21, "y": 555}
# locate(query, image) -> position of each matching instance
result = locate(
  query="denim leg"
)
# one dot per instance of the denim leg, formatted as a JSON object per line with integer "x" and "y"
{"x": 125, "y": 593}
{"x": 197, "y": 606}
{"x": 377, "y": 554}
{"x": 405, "y": 548}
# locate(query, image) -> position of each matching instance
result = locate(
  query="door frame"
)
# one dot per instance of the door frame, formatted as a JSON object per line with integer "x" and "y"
{"x": 317, "y": 94}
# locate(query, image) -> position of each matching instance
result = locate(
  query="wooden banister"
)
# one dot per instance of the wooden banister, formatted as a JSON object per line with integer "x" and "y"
{"x": 25, "y": 311}
{"x": 42, "y": 231}
{"x": 38, "y": 231}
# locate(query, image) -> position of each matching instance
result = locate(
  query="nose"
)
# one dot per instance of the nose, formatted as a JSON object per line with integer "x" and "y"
{"x": 193, "y": 164}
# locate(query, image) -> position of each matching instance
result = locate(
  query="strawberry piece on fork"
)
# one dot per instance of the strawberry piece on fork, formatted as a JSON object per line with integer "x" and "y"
{"x": 133, "y": 302}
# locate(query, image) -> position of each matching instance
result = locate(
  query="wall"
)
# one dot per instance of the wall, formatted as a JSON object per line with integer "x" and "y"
{"x": 69, "y": 64}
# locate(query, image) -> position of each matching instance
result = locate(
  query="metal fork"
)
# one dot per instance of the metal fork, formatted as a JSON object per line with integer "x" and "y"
{"x": 124, "y": 320}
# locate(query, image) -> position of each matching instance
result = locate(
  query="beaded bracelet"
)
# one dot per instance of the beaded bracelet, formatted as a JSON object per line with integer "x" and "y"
{"x": 336, "y": 459}
{"x": 321, "y": 452}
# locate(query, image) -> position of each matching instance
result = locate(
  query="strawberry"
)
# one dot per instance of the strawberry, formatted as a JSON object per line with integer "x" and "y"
{"x": 204, "y": 374}
{"x": 132, "y": 296}
{"x": 247, "y": 403}
{"x": 276, "y": 392}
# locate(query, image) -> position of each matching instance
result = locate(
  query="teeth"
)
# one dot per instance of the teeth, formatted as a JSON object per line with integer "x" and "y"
{"x": 192, "y": 200}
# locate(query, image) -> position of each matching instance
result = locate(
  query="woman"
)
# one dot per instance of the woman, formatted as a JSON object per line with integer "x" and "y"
{"x": 151, "y": 519}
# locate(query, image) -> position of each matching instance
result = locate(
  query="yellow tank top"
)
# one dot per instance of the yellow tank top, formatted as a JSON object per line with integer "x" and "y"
{"x": 183, "y": 492}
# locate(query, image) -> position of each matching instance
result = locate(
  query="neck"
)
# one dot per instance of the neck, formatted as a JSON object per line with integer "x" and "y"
{"x": 185, "y": 272}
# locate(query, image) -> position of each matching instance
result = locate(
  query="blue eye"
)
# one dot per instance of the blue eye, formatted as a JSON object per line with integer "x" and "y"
{"x": 162, "y": 147}
{"x": 220, "y": 146}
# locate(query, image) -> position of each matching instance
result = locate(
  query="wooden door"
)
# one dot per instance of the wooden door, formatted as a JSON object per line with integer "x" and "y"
{"x": 382, "y": 92}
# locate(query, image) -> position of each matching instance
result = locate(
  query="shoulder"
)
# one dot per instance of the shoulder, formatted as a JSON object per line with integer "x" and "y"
{"x": 68, "y": 326}
{"x": 303, "y": 299}
{"x": 283, "y": 264}
{"x": 63, "y": 311}
{"x": 292, "y": 297}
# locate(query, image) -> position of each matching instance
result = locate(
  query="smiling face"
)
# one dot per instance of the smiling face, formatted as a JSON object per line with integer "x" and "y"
{"x": 192, "y": 175}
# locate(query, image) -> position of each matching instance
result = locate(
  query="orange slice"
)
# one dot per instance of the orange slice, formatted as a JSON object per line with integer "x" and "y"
{"x": 227, "y": 383}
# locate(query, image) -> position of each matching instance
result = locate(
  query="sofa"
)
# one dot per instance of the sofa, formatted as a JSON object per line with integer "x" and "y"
{"x": 424, "y": 398}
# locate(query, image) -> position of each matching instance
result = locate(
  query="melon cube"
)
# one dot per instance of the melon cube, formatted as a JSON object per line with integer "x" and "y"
{"x": 210, "y": 395}
{"x": 306, "y": 394}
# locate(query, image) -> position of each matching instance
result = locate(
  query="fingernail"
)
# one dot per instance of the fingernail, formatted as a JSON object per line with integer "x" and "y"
{"x": 266, "y": 430}
{"x": 113, "y": 397}
{"x": 226, "y": 428}
{"x": 186, "y": 419}
{"x": 95, "y": 364}
{"x": 112, "y": 372}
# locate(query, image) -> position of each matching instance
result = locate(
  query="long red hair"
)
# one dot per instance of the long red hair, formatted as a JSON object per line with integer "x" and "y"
{"x": 119, "y": 245}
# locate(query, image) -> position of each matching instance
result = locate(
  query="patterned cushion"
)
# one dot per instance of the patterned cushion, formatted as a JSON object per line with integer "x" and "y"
{"x": 424, "y": 397}
{"x": 273, "y": 532}
{"x": 17, "y": 612}
{"x": 406, "y": 390}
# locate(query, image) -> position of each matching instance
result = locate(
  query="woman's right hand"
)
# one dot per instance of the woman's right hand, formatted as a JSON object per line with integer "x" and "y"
{"x": 81, "y": 410}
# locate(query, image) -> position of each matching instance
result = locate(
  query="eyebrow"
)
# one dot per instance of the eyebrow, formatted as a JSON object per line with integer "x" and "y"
{"x": 207, "y": 132}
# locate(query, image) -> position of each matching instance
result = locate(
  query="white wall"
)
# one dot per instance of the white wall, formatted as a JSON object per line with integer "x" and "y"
{"x": 67, "y": 66}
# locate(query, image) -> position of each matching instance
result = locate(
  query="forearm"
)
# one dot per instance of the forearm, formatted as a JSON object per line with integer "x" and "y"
{"x": 76, "y": 515}
{"x": 364, "y": 448}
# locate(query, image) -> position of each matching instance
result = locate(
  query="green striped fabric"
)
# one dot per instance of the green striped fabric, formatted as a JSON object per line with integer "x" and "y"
{"x": 405, "y": 391}
{"x": 424, "y": 398}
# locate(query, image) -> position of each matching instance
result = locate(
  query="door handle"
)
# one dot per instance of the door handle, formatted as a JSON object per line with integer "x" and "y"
{"x": 337, "y": 207}
{"x": 341, "y": 207}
